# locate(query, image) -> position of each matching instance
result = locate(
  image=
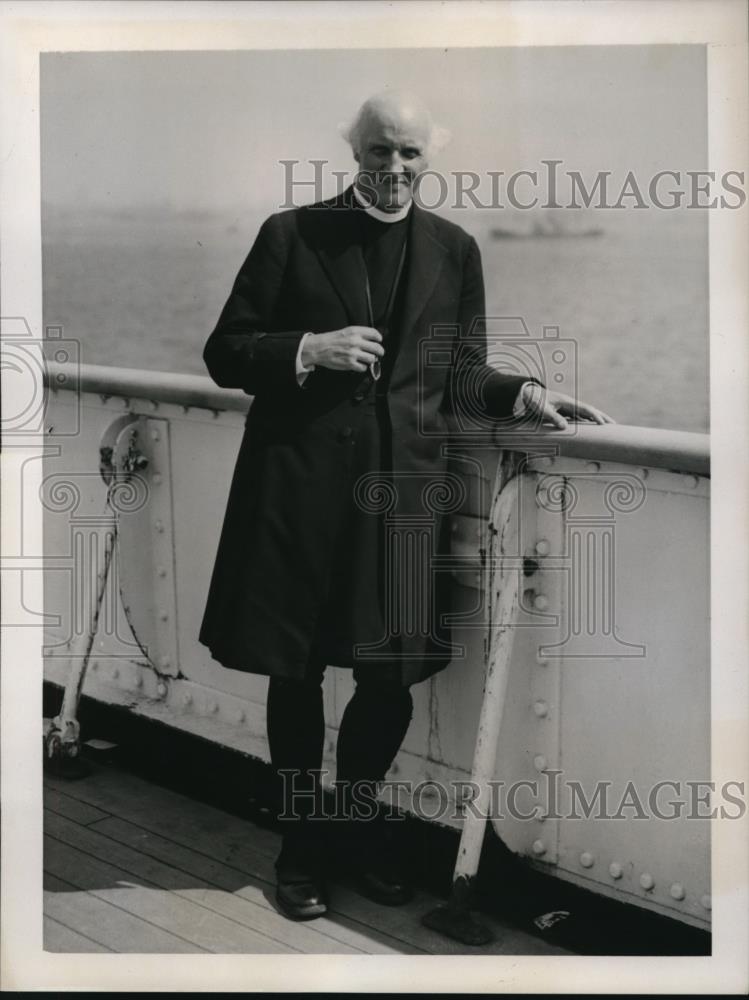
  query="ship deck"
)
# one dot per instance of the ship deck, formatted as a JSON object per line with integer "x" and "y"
{"x": 133, "y": 867}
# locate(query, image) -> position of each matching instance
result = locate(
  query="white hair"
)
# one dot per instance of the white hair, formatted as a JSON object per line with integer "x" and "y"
{"x": 352, "y": 130}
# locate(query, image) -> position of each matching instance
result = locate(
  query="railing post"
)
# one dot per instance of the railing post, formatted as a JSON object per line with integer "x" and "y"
{"x": 118, "y": 463}
{"x": 455, "y": 919}
{"x": 62, "y": 740}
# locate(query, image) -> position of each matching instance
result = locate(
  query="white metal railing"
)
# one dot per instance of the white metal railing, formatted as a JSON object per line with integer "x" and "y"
{"x": 680, "y": 451}
{"x": 599, "y": 714}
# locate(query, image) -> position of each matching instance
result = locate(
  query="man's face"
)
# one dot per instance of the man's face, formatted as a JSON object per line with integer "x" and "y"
{"x": 392, "y": 153}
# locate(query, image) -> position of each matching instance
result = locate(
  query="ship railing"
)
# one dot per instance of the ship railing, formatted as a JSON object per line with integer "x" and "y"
{"x": 609, "y": 678}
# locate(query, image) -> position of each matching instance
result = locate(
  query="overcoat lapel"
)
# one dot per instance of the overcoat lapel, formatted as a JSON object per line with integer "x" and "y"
{"x": 341, "y": 256}
{"x": 426, "y": 257}
{"x": 425, "y": 260}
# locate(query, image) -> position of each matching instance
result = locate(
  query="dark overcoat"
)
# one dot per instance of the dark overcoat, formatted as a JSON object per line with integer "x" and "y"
{"x": 339, "y": 506}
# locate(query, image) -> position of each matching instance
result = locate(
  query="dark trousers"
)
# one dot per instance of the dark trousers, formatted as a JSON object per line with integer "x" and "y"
{"x": 372, "y": 730}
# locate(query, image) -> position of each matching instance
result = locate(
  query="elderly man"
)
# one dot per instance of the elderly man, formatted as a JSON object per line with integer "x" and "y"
{"x": 342, "y": 451}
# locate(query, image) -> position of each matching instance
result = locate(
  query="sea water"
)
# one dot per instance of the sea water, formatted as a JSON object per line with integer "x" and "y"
{"x": 144, "y": 288}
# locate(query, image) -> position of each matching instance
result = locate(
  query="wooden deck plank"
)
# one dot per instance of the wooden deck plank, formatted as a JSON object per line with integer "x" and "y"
{"x": 244, "y": 847}
{"x": 396, "y": 924}
{"x": 119, "y": 793}
{"x": 54, "y": 884}
{"x": 316, "y": 938}
{"x": 225, "y": 838}
{"x": 59, "y": 938}
{"x": 111, "y": 926}
{"x": 72, "y": 808}
{"x": 237, "y": 899}
{"x": 401, "y": 925}
{"x": 199, "y": 925}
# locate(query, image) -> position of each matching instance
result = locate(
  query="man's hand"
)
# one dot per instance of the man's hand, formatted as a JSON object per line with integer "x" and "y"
{"x": 351, "y": 349}
{"x": 554, "y": 406}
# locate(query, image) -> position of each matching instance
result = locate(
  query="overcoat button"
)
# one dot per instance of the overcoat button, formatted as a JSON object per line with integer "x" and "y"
{"x": 345, "y": 433}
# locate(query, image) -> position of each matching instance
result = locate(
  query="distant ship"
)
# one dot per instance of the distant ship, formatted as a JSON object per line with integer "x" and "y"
{"x": 550, "y": 228}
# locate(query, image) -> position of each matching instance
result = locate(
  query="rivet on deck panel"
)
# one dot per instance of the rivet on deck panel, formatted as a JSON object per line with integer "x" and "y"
{"x": 647, "y": 881}
{"x": 587, "y": 860}
{"x": 164, "y": 662}
{"x": 543, "y": 548}
{"x": 615, "y": 869}
{"x": 161, "y": 690}
{"x": 156, "y": 478}
{"x": 539, "y": 762}
{"x": 677, "y": 891}
{"x": 540, "y": 708}
{"x": 154, "y": 435}
{"x": 593, "y": 466}
{"x": 161, "y": 571}
{"x": 159, "y": 526}
{"x": 541, "y": 602}
{"x": 538, "y": 847}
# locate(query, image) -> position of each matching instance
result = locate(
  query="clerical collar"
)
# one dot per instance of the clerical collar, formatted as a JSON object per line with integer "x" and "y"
{"x": 377, "y": 213}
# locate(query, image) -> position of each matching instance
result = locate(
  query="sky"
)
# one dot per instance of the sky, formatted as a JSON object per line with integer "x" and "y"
{"x": 206, "y": 130}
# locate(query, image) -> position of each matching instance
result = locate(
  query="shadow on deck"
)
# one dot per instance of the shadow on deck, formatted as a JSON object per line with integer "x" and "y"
{"x": 133, "y": 867}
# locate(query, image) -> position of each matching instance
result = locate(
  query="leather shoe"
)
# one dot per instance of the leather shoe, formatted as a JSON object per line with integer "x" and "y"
{"x": 369, "y": 853}
{"x": 384, "y": 885}
{"x": 379, "y": 871}
{"x": 300, "y": 894}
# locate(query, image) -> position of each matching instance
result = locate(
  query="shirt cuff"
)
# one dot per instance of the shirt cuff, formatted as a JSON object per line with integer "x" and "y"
{"x": 519, "y": 408}
{"x": 301, "y": 371}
